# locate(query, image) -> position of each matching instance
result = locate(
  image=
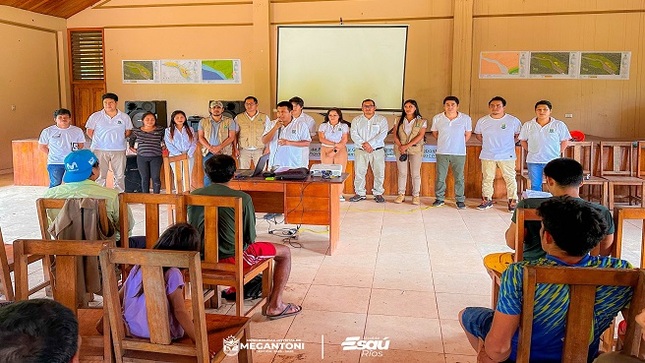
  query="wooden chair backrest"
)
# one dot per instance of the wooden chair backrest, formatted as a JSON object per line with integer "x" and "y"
{"x": 6, "y": 286}
{"x": 523, "y": 215}
{"x": 151, "y": 263}
{"x": 180, "y": 178}
{"x": 617, "y": 158}
{"x": 582, "y": 152}
{"x": 211, "y": 205}
{"x": 640, "y": 154}
{"x": 66, "y": 253}
{"x": 43, "y": 205}
{"x": 152, "y": 204}
{"x": 620, "y": 215}
{"x": 582, "y": 289}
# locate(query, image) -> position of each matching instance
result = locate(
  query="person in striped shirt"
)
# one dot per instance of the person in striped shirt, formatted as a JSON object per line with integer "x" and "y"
{"x": 148, "y": 143}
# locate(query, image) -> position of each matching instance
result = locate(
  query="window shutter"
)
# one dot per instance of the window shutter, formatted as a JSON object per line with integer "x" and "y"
{"x": 87, "y": 55}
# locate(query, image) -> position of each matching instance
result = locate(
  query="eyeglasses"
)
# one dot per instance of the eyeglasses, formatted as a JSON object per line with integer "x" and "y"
{"x": 369, "y": 106}
{"x": 95, "y": 165}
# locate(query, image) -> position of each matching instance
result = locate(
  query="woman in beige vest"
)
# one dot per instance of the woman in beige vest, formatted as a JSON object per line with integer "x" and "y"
{"x": 409, "y": 133}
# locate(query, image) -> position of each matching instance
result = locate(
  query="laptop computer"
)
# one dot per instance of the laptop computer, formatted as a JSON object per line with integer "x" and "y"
{"x": 249, "y": 173}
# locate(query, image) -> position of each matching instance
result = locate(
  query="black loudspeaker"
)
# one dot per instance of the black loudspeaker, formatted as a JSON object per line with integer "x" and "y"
{"x": 136, "y": 109}
{"x": 132, "y": 176}
{"x": 232, "y": 108}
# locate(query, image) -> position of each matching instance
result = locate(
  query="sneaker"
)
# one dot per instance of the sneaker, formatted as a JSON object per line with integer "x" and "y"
{"x": 342, "y": 199}
{"x": 269, "y": 216}
{"x": 438, "y": 203}
{"x": 512, "y": 204}
{"x": 486, "y": 204}
{"x": 400, "y": 199}
{"x": 461, "y": 205}
{"x": 379, "y": 199}
{"x": 416, "y": 200}
{"x": 357, "y": 198}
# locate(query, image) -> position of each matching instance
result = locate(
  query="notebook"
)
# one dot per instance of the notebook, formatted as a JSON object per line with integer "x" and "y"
{"x": 249, "y": 173}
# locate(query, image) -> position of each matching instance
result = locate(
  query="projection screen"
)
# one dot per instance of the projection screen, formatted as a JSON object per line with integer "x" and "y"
{"x": 339, "y": 66}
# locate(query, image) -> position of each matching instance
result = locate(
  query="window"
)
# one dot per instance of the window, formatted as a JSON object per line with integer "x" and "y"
{"x": 87, "y": 55}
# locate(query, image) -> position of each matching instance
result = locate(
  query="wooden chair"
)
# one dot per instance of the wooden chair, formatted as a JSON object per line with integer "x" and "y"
{"x": 6, "y": 267}
{"x": 44, "y": 205}
{"x": 584, "y": 153}
{"x": 94, "y": 346}
{"x": 152, "y": 204}
{"x": 216, "y": 273}
{"x": 583, "y": 283}
{"x": 620, "y": 215}
{"x": 210, "y": 329}
{"x": 620, "y": 169}
{"x": 177, "y": 177}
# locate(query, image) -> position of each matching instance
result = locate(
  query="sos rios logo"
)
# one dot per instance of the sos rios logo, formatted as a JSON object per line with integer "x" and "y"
{"x": 372, "y": 347}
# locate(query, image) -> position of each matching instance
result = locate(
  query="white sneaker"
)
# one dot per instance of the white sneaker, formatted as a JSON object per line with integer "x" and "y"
{"x": 342, "y": 199}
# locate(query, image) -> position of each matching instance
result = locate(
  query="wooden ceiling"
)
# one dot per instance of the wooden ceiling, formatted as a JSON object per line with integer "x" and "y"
{"x": 59, "y": 8}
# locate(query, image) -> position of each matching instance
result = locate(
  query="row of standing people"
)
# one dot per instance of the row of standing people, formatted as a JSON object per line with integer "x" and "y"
{"x": 251, "y": 134}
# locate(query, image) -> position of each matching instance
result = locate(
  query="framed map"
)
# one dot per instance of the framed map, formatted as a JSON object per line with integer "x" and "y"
{"x": 179, "y": 71}
{"x": 502, "y": 64}
{"x": 552, "y": 65}
{"x": 140, "y": 71}
{"x": 221, "y": 71}
{"x": 605, "y": 65}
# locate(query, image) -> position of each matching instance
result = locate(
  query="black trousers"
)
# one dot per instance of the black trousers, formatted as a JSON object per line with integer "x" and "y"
{"x": 150, "y": 167}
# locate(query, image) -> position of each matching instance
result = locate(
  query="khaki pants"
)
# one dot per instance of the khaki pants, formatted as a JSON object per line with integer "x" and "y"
{"x": 376, "y": 159}
{"x": 116, "y": 161}
{"x": 415, "y": 169}
{"x": 247, "y": 155}
{"x": 327, "y": 156}
{"x": 508, "y": 173}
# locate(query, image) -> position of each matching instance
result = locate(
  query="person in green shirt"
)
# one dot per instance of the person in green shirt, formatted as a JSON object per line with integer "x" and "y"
{"x": 564, "y": 176}
{"x": 220, "y": 170}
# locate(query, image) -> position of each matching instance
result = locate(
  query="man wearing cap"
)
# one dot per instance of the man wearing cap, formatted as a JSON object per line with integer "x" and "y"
{"x": 57, "y": 141}
{"x": 250, "y": 126}
{"x": 299, "y": 116}
{"x": 108, "y": 129}
{"x": 82, "y": 168}
{"x": 216, "y": 134}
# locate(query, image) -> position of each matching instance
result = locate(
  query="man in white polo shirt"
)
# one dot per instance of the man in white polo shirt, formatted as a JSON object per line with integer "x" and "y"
{"x": 368, "y": 133}
{"x": 498, "y": 133}
{"x": 288, "y": 140}
{"x": 299, "y": 116}
{"x": 452, "y": 129}
{"x": 108, "y": 129}
{"x": 57, "y": 141}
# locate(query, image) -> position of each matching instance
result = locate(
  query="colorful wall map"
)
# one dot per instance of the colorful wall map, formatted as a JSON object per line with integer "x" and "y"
{"x": 182, "y": 71}
{"x": 501, "y": 64}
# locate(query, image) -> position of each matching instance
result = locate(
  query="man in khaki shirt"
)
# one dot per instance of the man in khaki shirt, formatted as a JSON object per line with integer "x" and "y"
{"x": 250, "y": 129}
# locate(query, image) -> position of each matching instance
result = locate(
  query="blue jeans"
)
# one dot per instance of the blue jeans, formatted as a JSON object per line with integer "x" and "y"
{"x": 207, "y": 180}
{"x": 536, "y": 172}
{"x": 56, "y": 172}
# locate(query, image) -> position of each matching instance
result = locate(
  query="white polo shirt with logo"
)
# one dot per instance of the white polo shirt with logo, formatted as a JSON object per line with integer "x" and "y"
{"x": 498, "y": 137}
{"x": 452, "y": 134}
{"x": 287, "y": 155}
{"x": 544, "y": 141}
{"x": 59, "y": 141}
{"x": 109, "y": 132}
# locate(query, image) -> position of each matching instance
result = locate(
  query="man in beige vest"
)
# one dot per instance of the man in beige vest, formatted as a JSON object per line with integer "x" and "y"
{"x": 250, "y": 129}
{"x": 216, "y": 134}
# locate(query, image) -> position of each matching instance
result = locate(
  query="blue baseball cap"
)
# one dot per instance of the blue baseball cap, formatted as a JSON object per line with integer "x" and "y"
{"x": 78, "y": 165}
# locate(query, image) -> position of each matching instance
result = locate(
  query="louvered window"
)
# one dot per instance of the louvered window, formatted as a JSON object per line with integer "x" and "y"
{"x": 87, "y": 55}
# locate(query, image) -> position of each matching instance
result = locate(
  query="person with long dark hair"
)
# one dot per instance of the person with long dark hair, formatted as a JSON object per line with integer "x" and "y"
{"x": 409, "y": 133}
{"x": 147, "y": 142}
{"x": 180, "y": 139}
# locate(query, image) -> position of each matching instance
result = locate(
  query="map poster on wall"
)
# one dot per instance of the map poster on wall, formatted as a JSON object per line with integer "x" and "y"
{"x": 552, "y": 65}
{"x": 503, "y": 64}
{"x": 221, "y": 71}
{"x": 605, "y": 65}
{"x": 179, "y": 71}
{"x": 140, "y": 71}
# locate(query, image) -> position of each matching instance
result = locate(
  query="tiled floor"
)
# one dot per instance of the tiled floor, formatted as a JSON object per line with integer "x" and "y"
{"x": 401, "y": 272}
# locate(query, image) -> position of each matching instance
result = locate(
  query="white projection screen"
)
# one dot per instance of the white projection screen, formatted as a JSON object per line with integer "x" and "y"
{"x": 339, "y": 66}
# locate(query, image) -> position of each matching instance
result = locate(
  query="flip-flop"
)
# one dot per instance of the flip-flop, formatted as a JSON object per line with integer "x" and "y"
{"x": 284, "y": 313}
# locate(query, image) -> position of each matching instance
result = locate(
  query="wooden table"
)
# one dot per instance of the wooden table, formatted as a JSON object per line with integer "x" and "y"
{"x": 314, "y": 201}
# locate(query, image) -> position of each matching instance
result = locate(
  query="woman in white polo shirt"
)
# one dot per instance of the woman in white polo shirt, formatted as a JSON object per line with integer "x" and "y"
{"x": 181, "y": 139}
{"x": 545, "y": 139}
{"x": 409, "y": 132}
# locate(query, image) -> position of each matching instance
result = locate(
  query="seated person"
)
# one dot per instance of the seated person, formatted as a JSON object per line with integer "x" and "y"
{"x": 220, "y": 169}
{"x": 38, "y": 330}
{"x": 563, "y": 177}
{"x": 570, "y": 229}
{"x": 81, "y": 171}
